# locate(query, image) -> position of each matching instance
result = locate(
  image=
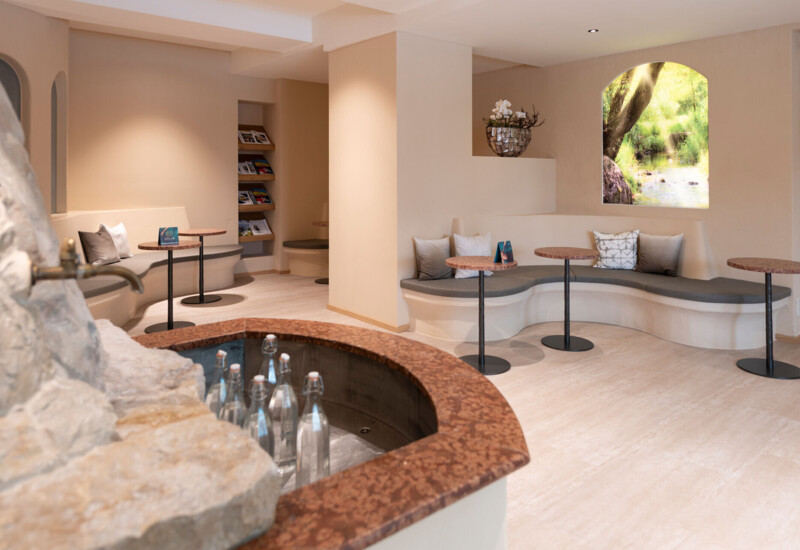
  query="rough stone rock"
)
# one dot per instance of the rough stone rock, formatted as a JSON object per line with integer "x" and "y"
{"x": 138, "y": 376}
{"x": 64, "y": 419}
{"x": 48, "y": 330}
{"x": 615, "y": 189}
{"x": 198, "y": 483}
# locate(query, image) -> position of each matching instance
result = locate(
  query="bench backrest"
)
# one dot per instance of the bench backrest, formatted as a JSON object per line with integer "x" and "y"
{"x": 141, "y": 223}
{"x": 529, "y": 232}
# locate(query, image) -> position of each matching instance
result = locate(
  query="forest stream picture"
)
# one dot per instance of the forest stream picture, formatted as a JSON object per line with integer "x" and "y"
{"x": 655, "y": 137}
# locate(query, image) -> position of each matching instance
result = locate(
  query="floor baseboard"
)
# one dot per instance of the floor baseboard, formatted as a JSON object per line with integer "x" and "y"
{"x": 381, "y": 324}
{"x": 787, "y": 338}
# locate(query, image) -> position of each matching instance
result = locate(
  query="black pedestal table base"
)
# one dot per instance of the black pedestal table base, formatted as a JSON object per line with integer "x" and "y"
{"x": 170, "y": 324}
{"x": 560, "y": 342}
{"x": 780, "y": 370}
{"x": 491, "y": 365}
{"x": 161, "y": 327}
{"x": 566, "y": 342}
{"x": 199, "y": 300}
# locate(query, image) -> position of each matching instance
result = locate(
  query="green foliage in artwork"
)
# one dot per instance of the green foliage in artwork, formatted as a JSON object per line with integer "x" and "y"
{"x": 674, "y": 124}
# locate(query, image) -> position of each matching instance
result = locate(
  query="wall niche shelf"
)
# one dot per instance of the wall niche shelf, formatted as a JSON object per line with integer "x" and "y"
{"x": 254, "y": 238}
{"x": 255, "y": 147}
{"x": 244, "y": 178}
{"x": 256, "y": 207}
{"x": 257, "y": 160}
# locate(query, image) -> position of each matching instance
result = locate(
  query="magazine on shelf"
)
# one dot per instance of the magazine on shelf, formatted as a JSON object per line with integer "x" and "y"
{"x": 251, "y": 167}
{"x": 260, "y": 137}
{"x": 245, "y": 198}
{"x": 260, "y": 227}
{"x": 260, "y": 196}
{"x": 262, "y": 166}
{"x": 244, "y": 229}
{"x": 244, "y": 169}
{"x": 246, "y": 136}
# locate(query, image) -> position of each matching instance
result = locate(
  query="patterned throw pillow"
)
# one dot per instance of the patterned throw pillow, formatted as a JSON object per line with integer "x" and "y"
{"x": 616, "y": 251}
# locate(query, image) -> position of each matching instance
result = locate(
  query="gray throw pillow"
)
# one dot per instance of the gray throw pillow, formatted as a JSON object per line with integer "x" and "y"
{"x": 98, "y": 248}
{"x": 659, "y": 254}
{"x": 431, "y": 256}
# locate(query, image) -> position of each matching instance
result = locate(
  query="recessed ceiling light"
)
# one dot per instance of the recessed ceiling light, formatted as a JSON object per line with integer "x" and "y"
{"x": 594, "y": 30}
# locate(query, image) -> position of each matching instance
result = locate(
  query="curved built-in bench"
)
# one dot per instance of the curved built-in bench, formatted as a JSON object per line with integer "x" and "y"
{"x": 110, "y": 297}
{"x": 718, "y": 313}
{"x": 307, "y": 257}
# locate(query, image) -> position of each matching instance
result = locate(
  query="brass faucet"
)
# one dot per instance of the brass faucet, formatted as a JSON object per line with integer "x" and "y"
{"x": 71, "y": 268}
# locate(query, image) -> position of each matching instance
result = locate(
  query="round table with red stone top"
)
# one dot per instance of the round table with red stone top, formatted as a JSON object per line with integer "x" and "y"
{"x": 566, "y": 342}
{"x": 201, "y": 298}
{"x": 184, "y": 245}
{"x": 486, "y": 364}
{"x": 767, "y": 367}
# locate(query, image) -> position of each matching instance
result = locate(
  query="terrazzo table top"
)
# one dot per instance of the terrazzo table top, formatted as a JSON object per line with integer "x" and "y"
{"x": 201, "y": 232}
{"x": 566, "y": 253}
{"x": 183, "y": 245}
{"x": 765, "y": 265}
{"x": 479, "y": 263}
{"x": 479, "y": 439}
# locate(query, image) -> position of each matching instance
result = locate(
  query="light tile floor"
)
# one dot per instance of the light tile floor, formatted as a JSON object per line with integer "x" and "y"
{"x": 638, "y": 443}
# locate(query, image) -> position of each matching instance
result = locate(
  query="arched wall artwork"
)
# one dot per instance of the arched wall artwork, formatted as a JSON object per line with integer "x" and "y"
{"x": 655, "y": 137}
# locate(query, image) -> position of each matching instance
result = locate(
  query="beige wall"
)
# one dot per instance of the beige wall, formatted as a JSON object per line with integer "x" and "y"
{"x": 402, "y": 166}
{"x": 524, "y": 87}
{"x": 752, "y": 144}
{"x": 154, "y": 124}
{"x": 363, "y": 178}
{"x": 302, "y": 156}
{"x": 39, "y": 46}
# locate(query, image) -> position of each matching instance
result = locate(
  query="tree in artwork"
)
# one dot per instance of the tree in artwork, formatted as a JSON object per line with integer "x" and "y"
{"x": 655, "y": 137}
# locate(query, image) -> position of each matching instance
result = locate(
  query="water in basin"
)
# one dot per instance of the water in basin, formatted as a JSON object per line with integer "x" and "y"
{"x": 371, "y": 407}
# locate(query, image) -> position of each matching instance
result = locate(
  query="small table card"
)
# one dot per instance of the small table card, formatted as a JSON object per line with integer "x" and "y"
{"x": 167, "y": 236}
{"x": 504, "y": 253}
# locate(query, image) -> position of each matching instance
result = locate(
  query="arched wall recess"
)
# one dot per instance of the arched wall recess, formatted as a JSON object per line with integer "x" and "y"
{"x": 15, "y": 82}
{"x": 58, "y": 144}
{"x": 655, "y": 137}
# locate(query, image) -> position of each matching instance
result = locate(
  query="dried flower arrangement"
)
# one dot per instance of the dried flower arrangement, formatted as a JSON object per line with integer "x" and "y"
{"x": 503, "y": 117}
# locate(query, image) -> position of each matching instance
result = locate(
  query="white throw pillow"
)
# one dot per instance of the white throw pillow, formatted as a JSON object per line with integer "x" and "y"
{"x": 616, "y": 251}
{"x": 479, "y": 245}
{"x": 120, "y": 237}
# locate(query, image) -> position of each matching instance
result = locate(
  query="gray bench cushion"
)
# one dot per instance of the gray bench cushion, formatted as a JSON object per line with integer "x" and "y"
{"x": 721, "y": 290}
{"x": 308, "y": 244}
{"x": 502, "y": 283}
{"x": 144, "y": 262}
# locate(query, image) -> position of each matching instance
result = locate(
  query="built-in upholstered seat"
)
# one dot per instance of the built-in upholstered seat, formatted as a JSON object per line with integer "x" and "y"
{"x": 144, "y": 262}
{"x": 720, "y": 290}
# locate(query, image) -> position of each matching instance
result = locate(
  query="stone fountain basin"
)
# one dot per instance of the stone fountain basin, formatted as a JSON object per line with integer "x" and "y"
{"x": 464, "y": 435}
{"x": 371, "y": 409}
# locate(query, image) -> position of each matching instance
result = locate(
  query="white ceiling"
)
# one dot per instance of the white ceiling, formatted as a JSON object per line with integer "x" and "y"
{"x": 290, "y": 38}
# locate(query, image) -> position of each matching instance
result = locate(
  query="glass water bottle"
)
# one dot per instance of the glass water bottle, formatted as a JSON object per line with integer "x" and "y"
{"x": 216, "y": 392}
{"x": 233, "y": 409}
{"x": 269, "y": 347}
{"x": 258, "y": 424}
{"x": 313, "y": 435}
{"x": 283, "y": 411}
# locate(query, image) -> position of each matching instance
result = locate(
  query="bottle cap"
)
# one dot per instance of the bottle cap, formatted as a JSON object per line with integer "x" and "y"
{"x": 221, "y": 353}
{"x": 271, "y": 337}
{"x": 235, "y": 367}
{"x": 284, "y": 356}
{"x": 258, "y": 379}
